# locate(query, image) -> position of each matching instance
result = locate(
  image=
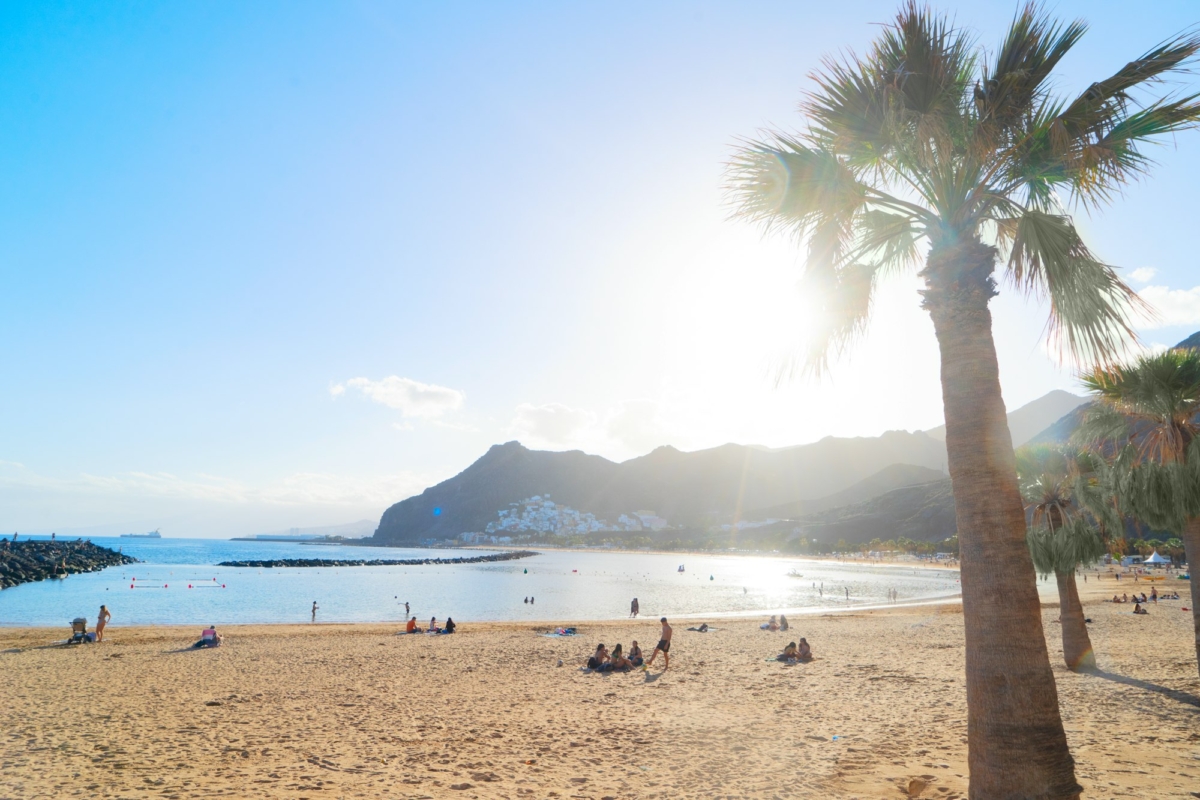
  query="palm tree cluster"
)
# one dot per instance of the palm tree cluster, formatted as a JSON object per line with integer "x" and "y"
{"x": 1059, "y": 486}
{"x": 928, "y": 154}
{"x": 1146, "y": 423}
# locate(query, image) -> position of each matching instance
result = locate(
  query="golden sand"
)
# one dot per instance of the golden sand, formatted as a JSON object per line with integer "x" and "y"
{"x": 341, "y": 711}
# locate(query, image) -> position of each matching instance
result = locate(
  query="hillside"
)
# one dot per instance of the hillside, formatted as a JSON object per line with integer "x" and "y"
{"x": 893, "y": 476}
{"x": 924, "y": 513}
{"x": 688, "y": 489}
{"x": 1031, "y": 419}
{"x": 693, "y": 490}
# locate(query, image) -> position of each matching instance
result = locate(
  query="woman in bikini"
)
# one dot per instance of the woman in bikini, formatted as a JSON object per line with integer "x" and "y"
{"x": 635, "y": 654}
{"x": 101, "y": 620}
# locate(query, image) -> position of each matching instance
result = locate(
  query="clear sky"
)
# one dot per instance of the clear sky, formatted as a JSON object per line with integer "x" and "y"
{"x": 267, "y": 265}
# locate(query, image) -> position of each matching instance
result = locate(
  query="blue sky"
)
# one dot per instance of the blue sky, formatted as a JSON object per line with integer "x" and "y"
{"x": 267, "y": 265}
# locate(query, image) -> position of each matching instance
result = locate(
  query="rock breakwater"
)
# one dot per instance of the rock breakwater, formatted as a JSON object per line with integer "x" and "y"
{"x": 378, "y": 562}
{"x": 37, "y": 559}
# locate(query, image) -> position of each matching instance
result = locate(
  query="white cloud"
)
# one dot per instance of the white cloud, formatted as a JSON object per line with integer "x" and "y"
{"x": 1173, "y": 306}
{"x": 411, "y": 398}
{"x": 1143, "y": 274}
{"x": 337, "y": 390}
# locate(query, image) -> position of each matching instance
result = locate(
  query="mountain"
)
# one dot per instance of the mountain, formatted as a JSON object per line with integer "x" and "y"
{"x": 1032, "y": 418}
{"x": 691, "y": 490}
{"x": 694, "y": 489}
{"x": 893, "y": 476}
{"x": 924, "y": 512}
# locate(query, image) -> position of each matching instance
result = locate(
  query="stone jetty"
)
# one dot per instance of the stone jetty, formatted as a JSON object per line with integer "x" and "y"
{"x": 378, "y": 562}
{"x": 25, "y": 561}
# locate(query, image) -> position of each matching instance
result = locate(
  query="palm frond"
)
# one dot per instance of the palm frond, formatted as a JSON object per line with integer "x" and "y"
{"x": 1090, "y": 308}
{"x": 784, "y": 182}
{"x": 1014, "y": 81}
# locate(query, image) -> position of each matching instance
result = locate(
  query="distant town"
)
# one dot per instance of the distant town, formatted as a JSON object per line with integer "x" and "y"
{"x": 538, "y": 517}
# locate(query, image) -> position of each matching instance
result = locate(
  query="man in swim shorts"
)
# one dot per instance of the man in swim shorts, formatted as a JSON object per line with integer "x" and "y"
{"x": 663, "y": 646}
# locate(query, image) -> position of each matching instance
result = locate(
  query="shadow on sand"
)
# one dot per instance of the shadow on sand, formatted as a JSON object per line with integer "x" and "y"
{"x": 1165, "y": 691}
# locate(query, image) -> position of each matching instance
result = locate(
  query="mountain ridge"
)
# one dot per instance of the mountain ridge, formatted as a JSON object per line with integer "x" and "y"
{"x": 697, "y": 489}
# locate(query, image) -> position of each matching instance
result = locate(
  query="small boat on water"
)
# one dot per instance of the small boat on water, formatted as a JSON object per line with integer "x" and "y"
{"x": 154, "y": 534}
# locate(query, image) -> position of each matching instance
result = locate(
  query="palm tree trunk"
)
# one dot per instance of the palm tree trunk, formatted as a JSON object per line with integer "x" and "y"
{"x": 1191, "y": 551}
{"x": 1077, "y": 645}
{"x": 1017, "y": 747}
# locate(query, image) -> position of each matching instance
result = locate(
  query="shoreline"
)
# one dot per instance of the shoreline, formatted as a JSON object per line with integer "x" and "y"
{"x": 491, "y": 625}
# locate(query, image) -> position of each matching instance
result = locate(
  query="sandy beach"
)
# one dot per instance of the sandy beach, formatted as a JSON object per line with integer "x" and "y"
{"x": 342, "y": 711}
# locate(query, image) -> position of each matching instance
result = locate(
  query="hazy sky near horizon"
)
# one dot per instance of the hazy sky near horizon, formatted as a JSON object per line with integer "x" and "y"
{"x": 282, "y": 264}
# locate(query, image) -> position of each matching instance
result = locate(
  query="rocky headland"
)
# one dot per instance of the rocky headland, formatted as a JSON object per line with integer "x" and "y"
{"x": 37, "y": 559}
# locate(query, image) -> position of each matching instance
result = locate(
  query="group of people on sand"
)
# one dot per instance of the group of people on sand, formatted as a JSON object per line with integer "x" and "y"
{"x": 620, "y": 661}
{"x": 775, "y": 625}
{"x": 796, "y": 653}
{"x": 1154, "y": 596}
{"x": 617, "y": 660}
{"x": 449, "y": 627}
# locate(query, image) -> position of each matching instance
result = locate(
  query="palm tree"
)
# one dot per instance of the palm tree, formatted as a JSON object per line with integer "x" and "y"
{"x": 1061, "y": 536}
{"x": 926, "y": 152}
{"x": 1149, "y": 410}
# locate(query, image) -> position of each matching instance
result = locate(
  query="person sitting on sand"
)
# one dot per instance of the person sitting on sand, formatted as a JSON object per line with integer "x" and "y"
{"x": 803, "y": 651}
{"x": 433, "y": 628}
{"x": 619, "y": 662}
{"x": 411, "y": 627}
{"x": 1124, "y": 598}
{"x": 783, "y": 623}
{"x": 789, "y": 653}
{"x": 450, "y": 626}
{"x": 1116, "y": 599}
{"x": 209, "y": 637}
{"x": 1143, "y": 597}
{"x": 1137, "y": 609}
{"x": 599, "y": 658}
{"x": 770, "y": 625}
{"x": 635, "y": 654}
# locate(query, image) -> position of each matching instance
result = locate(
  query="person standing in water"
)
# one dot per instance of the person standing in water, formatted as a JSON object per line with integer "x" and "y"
{"x": 633, "y": 608}
{"x": 663, "y": 646}
{"x": 314, "y": 611}
{"x": 101, "y": 620}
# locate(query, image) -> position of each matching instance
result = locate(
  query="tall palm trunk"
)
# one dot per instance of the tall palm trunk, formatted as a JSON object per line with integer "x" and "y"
{"x": 1077, "y": 645}
{"x": 1016, "y": 744}
{"x": 1191, "y": 551}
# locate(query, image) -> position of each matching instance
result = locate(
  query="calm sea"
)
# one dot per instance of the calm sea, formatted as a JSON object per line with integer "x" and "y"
{"x": 183, "y": 587}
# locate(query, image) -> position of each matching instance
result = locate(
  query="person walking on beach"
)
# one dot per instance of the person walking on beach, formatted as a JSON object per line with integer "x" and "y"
{"x": 663, "y": 646}
{"x": 314, "y": 617}
{"x": 633, "y": 608}
{"x": 101, "y": 620}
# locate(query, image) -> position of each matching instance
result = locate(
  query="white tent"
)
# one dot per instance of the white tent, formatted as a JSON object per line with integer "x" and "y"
{"x": 1155, "y": 558}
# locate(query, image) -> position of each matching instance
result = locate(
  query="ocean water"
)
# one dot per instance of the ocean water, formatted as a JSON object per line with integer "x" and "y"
{"x": 566, "y": 585}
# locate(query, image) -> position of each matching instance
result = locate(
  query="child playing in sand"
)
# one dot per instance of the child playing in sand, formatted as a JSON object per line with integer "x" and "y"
{"x": 663, "y": 646}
